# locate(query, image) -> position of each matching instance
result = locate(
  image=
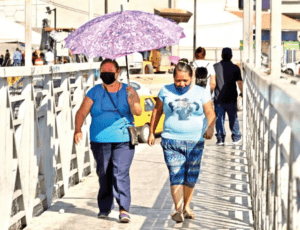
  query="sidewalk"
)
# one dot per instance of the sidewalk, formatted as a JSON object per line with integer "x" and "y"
{"x": 221, "y": 199}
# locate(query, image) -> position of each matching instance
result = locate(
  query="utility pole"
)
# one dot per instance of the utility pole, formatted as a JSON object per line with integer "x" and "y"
{"x": 195, "y": 25}
{"x": 90, "y": 18}
{"x": 106, "y": 6}
{"x": 28, "y": 32}
{"x": 170, "y": 3}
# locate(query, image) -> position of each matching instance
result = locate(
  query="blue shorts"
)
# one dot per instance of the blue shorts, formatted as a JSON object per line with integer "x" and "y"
{"x": 183, "y": 159}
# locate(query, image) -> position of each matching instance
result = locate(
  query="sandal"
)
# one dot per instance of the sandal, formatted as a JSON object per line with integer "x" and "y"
{"x": 189, "y": 215}
{"x": 177, "y": 216}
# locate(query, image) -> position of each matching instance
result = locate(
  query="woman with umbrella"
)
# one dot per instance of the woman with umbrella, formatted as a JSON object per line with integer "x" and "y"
{"x": 112, "y": 36}
{"x": 110, "y": 141}
{"x": 186, "y": 107}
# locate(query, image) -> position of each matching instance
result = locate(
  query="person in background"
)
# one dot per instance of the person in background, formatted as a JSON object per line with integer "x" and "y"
{"x": 228, "y": 74}
{"x": 49, "y": 57}
{"x": 185, "y": 106}
{"x": 17, "y": 58}
{"x": 1, "y": 60}
{"x": 38, "y": 61}
{"x": 200, "y": 61}
{"x": 34, "y": 56}
{"x": 23, "y": 58}
{"x": 7, "y": 59}
{"x": 110, "y": 140}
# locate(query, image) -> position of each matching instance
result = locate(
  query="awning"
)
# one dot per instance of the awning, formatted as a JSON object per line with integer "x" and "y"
{"x": 178, "y": 15}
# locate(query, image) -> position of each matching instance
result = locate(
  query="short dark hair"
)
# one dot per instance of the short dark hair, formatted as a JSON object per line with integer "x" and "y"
{"x": 7, "y": 51}
{"x": 226, "y": 54}
{"x": 110, "y": 61}
{"x": 49, "y": 50}
{"x": 183, "y": 66}
{"x": 200, "y": 52}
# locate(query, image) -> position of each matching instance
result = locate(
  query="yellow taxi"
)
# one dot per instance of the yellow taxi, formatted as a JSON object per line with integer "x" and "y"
{"x": 142, "y": 122}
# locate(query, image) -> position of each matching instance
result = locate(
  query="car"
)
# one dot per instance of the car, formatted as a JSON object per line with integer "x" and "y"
{"x": 142, "y": 122}
{"x": 291, "y": 68}
{"x": 138, "y": 87}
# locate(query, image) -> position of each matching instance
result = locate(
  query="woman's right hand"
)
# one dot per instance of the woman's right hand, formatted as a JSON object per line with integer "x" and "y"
{"x": 77, "y": 137}
{"x": 151, "y": 139}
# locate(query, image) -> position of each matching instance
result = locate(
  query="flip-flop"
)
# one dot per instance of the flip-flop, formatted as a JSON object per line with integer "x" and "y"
{"x": 177, "y": 216}
{"x": 189, "y": 215}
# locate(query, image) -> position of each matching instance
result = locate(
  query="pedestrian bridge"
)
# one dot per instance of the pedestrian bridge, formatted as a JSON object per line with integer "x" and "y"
{"x": 252, "y": 186}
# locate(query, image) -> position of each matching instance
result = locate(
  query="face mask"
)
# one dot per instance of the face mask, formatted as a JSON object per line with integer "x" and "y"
{"x": 107, "y": 77}
{"x": 182, "y": 90}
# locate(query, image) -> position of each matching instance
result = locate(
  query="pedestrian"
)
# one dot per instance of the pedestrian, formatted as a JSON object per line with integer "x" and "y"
{"x": 7, "y": 61}
{"x": 38, "y": 60}
{"x": 17, "y": 58}
{"x": 1, "y": 60}
{"x": 200, "y": 61}
{"x": 110, "y": 140}
{"x": 225, "y": 100}
{"x": 186, "y": 108}
{"x": 23, "y": 58}
{"x": 49, "y": 57}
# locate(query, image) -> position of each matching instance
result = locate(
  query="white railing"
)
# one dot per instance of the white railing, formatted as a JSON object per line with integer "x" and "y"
{"x": 39, "y": 161}
{"x": 272, "y": 114}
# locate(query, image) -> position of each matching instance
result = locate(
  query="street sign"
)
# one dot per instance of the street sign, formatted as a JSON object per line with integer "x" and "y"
{"x": 242, "y": 44}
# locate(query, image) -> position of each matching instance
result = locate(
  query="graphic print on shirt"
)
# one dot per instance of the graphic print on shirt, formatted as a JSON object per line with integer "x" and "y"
{"x": 184, "y": 108}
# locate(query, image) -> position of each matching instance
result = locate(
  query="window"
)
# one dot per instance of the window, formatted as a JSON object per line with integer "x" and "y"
{"x": 149, "y": 105}
{"x": 135, "y": 86}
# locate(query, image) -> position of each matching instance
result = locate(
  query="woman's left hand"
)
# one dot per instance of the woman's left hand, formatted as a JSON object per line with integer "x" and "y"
{"x": 132, "y": 95}
{"x": 208, "y": 133}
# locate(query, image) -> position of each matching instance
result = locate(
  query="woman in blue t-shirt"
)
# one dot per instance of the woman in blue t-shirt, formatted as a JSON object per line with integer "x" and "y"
{"x": 110, "y": 140}
{"x": 188, "y": 109}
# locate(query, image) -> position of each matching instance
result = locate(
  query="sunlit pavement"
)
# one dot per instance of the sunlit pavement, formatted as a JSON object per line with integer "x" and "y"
{"x": 221, "y": 199}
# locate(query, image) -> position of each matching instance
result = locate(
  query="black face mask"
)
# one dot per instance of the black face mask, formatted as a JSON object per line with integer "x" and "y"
{"x": 107, "y": 77}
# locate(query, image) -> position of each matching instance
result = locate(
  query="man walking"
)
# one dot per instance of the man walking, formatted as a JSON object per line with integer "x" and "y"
{"x": 227, "y": 75}
{"x": 17, "y": 57}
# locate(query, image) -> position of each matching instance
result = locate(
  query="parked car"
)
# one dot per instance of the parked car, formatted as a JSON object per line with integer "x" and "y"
{"x": 142, "y": 122}
{"x": 291, "y": 68}
{"x": 138, "y": 87}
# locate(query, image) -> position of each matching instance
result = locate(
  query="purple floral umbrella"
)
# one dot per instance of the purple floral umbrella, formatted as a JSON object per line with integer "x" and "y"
{"x": 121, "y": 33}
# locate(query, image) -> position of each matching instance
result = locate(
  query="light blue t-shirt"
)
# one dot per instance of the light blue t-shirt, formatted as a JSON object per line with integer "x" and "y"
{"x": 107, "y": 125}
{"x": 185, "y": 118}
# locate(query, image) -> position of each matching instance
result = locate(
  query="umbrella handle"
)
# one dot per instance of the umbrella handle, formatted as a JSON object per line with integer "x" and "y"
{"x": 127, "y": 73}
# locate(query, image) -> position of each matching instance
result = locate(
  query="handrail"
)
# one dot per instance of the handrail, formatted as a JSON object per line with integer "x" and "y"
{"x": 272, "y": 145}
{"x": 39, "y": 161}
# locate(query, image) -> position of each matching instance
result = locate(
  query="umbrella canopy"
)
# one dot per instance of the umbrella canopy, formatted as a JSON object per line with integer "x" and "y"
{"x": 120, "y": 33}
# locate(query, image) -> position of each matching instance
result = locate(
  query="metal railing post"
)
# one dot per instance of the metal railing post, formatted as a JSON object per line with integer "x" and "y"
{"x": 258, "y": 33}
{"x": 276, "y": 38}
{"x": 246, "y": 32}
{"x": 251, "y": 51}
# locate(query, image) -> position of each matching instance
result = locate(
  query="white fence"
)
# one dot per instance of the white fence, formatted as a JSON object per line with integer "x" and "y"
{"x": 39, "y": 160}
{"x": 273, "y": 144}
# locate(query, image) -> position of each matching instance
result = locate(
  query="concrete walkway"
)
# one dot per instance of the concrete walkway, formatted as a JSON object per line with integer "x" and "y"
{"x": 221, "y": 199}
